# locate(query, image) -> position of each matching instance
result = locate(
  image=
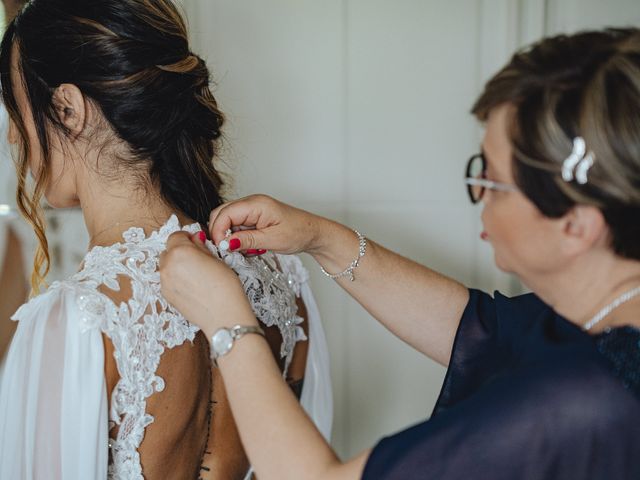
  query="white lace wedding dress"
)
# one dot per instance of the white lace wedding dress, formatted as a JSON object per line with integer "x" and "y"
{"x": 54, "y": 417}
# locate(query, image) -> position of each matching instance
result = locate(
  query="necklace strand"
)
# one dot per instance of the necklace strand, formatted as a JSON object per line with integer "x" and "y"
{"x": 625, "y": 297}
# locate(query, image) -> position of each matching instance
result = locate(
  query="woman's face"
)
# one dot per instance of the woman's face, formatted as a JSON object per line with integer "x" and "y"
{"x": 525, "y": 242}
{"x": 60, "y": 191}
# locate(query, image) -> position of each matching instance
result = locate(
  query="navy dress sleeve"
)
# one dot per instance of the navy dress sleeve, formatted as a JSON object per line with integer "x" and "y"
{"x": 526, "y": 396}
{"x": 490, "y": 331}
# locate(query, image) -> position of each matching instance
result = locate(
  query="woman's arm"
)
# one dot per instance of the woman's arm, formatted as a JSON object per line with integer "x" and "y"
{"x": 279, "y": 438}
{"x": 417, "y": 304}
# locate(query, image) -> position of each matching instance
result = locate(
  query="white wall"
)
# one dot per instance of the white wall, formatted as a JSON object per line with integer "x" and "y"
{"x": 358, "y": 109}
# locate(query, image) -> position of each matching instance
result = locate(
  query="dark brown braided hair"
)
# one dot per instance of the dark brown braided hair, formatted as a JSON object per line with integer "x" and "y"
{"x": 132, "y": 60}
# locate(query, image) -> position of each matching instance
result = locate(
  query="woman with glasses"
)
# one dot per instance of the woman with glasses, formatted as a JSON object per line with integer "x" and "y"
{"x": 540, "y": 386}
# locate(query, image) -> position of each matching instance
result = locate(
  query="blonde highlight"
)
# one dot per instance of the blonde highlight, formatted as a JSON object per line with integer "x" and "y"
{"x": 30, "y": 207}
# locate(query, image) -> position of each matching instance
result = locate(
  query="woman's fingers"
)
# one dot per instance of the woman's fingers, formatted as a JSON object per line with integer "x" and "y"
{"x": 253, "y": 241}
{"x": 248, "y": 212}
{"x": 199, "y": 240}
{"x": 219, "y": 223}
{"x": 178, "y": 239}
{"x": 192, "y": 279}
{"x": 251, "y": 218}
{"x": 262, "y": 223}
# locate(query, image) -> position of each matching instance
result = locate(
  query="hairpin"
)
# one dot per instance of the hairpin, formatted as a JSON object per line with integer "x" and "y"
{"x": 577, "y": 164}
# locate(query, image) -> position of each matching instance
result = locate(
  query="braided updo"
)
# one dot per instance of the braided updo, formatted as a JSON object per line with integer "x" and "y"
{"x": 132, "y": 60}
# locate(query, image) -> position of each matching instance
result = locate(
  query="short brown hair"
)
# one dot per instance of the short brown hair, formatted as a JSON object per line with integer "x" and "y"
{"x": 587, "y": 85}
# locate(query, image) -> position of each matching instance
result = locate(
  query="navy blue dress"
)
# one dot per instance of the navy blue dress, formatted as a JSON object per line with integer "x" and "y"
{"x": 527, "y": 396}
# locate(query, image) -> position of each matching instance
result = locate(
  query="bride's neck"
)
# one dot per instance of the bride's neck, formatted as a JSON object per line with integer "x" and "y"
{"x": 111, "y": 209}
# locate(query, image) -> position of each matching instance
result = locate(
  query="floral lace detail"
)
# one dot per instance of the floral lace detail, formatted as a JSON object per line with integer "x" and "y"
{"x": 272, "y": 292}
{"x": 142, "y": 328}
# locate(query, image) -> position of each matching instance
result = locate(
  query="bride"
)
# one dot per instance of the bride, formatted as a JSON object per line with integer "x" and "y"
{"x": 111, "y": 111}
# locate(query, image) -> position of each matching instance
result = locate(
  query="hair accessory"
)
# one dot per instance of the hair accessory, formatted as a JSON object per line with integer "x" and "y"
{"x": 583, "y": 168}
{"x": 576, "y": 166}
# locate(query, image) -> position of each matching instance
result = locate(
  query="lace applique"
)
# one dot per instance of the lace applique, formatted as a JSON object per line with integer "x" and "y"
{"x": 272, "y": 295}
{"x": 142, "y": 328}
{"x": 297, "y": 274}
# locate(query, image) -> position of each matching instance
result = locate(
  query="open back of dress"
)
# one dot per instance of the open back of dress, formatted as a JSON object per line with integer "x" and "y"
{"x": 59, "y": 419}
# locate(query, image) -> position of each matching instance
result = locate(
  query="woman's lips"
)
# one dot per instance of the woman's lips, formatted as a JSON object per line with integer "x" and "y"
{"x": 484, "y": 236}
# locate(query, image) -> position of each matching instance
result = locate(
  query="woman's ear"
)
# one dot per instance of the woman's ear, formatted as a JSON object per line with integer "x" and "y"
{"x": 584, "y": 227}
{"x": 70, "y": 107}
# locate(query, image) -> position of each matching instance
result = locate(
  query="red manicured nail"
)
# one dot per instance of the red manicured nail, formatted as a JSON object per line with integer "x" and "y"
{"x": 202, "y": 237}
{"x": 253, "y": 252}
{"x": 234, "y": 244}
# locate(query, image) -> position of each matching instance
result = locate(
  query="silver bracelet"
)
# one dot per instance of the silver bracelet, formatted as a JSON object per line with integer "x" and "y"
{"x": 362, "y": 249}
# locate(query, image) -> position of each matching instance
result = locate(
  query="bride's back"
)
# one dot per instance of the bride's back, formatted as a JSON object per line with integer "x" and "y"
{"x": 157, "y": 366}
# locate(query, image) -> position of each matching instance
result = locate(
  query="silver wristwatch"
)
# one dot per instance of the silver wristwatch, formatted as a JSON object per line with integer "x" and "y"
{"x": 222, "y": 341}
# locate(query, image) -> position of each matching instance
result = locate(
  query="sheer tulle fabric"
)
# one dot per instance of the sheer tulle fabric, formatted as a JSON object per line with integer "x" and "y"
{"x": 53, "y": 404}
{"x": 317, "y": 397}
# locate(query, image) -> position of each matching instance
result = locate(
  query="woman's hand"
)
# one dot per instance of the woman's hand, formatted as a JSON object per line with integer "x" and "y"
{"x": 202, "y": 287}
{"x": 261, "y": 222}
{"x": 210, "y": 295}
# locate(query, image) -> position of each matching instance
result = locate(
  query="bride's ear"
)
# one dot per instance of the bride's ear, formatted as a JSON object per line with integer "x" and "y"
{"x": 70, "y": 106}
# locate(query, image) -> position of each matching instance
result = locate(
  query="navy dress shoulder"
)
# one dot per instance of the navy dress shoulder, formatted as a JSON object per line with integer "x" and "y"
{"x": 527, "y": 396}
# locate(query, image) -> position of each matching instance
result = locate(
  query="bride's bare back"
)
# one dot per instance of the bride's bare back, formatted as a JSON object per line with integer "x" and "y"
{"x": 192, "y": 433}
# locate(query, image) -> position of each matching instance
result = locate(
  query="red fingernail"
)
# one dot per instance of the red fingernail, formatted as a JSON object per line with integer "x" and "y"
{"x": 234, "y": 244}
{"x": 202, "y": 237}
{"x": 254, "y": 251}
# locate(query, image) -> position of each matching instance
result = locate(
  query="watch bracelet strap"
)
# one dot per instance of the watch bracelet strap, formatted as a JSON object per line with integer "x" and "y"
{"x": 237, "y": 332}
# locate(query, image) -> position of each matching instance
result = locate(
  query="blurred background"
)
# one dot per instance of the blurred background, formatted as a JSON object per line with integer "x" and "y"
{"x": 357, "y": 110}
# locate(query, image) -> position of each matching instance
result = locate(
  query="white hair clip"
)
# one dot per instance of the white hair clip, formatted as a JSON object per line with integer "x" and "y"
{"x": 577, "y": 164}
{"x": 583, "y": 168}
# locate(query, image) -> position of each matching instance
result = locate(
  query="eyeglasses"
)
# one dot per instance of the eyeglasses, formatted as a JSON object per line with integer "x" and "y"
{"x": 476, "y": 179}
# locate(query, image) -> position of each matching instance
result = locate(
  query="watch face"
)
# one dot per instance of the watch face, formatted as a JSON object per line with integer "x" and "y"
{"x": 222, "y": 341}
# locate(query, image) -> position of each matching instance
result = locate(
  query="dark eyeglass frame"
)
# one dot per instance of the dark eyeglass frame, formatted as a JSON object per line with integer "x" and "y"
{"x": 482, "y": 182}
